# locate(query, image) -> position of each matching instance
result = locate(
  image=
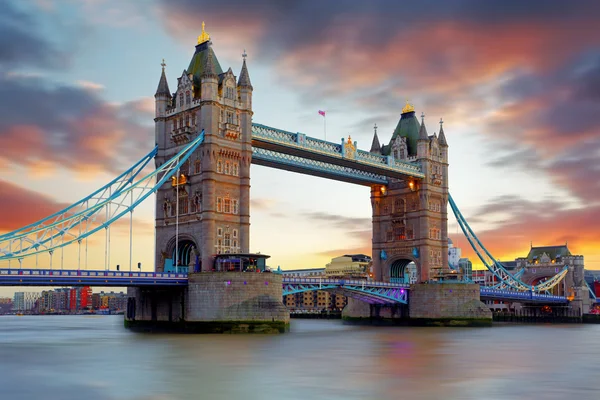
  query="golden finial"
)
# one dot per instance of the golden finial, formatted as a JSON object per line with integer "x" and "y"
{"x": 204, "y": 37}
{"x": 408, "y": 108}
{"x": 349, "y": 140}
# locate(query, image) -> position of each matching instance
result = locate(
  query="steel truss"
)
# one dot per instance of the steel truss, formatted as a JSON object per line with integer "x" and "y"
{"x": 95, "y": 212}
{"x": 372, "y": 292}
{"x": 494, "y": 265}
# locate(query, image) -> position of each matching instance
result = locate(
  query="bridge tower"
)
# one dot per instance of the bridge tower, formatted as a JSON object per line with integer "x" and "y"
{"x": 205, "y": 210}
{"x": 410, "y": 220}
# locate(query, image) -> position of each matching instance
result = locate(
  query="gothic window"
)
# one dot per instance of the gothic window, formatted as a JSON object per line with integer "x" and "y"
{"x": 219, "y": 204}
{"x": 187, "y": 97}
{"x": 183, "y": 203}
{"x": 235, "y": 245}
{"x": 187, "y": 120}
{"x": 194, "y": 119}
{"x": 227, "y": 205}
{"x": 399, "y": 206}
{"x": 389, "y": 236}
{"x": 235, "y": 207}
{"x": 410, "y": 234}
{"x": 235, "y": 169}
{"x": 185, "y": 168}
{"x": 176, "y": 124}
{"x": 227, "y": 167}
{"x": 219, "y": 231}
{"x": 229, "y": 117}
{"x": 197, "y": 167}
{"x": 235, "y": 234}
{"x": 399, "y": 234}
{"x": 219, "y": 246}
{"x": 220, "y": 166}
{"x": 396, "y": 154}
{"x": 227, "y": 240}
{"x": 181, "y": 99}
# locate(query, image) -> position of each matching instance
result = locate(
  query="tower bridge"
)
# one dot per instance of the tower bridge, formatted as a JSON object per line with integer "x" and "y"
{"x": 205, "y": 143}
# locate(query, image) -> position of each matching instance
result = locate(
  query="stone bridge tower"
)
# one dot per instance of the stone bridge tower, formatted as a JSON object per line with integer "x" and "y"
{"x": 410, "y": 220}
{"x": 205, "y": 210}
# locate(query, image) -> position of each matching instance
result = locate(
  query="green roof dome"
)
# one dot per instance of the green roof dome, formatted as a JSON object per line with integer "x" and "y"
{"x": 407, "y": 127}
{"x": 198, "y": 62}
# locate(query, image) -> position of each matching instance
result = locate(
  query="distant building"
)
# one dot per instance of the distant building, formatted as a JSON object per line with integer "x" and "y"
{"x": 304, "y": 273}
{"x": 5, "y": 305}
{"x": 25, "y": 301}
{"x": 466, "y": 267}
{"x": 454, "y": 254}
{"x": 351, "y": 266}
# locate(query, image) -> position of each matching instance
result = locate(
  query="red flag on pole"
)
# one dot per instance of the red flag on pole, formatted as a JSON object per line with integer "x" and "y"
{"x": 322, "y": 113}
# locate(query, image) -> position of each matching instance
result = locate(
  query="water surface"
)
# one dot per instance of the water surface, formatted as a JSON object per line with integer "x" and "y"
{"x": 94, "y": 357}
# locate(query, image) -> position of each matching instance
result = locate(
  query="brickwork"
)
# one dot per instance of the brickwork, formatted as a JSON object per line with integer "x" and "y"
{"x": 235, "y": 296}
{"x": 447, "y": 301}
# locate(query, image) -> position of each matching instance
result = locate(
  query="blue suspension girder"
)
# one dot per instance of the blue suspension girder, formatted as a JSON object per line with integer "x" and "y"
{"x": 271, "y": 158}
{"x": 372, "y": 292}
{"x": 494, "y": 265}
{"x": 343, "y": 154}
{"x": 75, "y": 225}
{"x": 114, "y": 186}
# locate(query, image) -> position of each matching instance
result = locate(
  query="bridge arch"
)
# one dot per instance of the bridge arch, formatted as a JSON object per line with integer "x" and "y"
{"x": 186, "y": 249}
{"x": 398, "y": 268}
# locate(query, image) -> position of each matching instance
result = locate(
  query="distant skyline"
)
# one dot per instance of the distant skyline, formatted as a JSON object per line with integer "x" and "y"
{"x": 517, "y": 84}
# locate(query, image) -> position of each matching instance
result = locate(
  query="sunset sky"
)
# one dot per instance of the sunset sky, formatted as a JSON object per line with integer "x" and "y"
{"x": 516, "y": 82}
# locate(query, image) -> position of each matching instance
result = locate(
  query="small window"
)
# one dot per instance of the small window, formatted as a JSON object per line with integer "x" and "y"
{"x": 219, "y": 204}
{"x": 227, "y": 206}
{"x": 219, "y": 231}
{"x": 235, "y": 206}
{"x": 235, "y": 169}
{"x": 187, "y": 97}
{"x": 235, "y": 233}
{"x": 197, "y": 167}
{"x": 220, "y": 167}
{"x": 227, "y": 167}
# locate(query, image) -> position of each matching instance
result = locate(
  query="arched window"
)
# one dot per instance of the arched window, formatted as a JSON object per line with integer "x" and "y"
{"x": 187, "y": 97}
{"x": 235, "y": 209}
{"x": 227, "y": 169}
{"x": 235, "y": 169}
{"x": 219, "y": 204}
{"x": 197, "y": 167}
{"x": 220, "y": 166}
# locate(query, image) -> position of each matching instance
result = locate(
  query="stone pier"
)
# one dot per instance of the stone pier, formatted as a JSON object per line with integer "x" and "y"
{"x": 219, "y": 302}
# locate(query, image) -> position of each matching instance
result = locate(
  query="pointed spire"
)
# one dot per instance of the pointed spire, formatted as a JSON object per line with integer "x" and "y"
{"x": 163, "y": 86}
{"x": 375, "y": 146}
{"x": 442, "y": 137}
{"x": 244, "y": 80}
{"x": 209, "y": 68}
{"x": 422, "y": 130}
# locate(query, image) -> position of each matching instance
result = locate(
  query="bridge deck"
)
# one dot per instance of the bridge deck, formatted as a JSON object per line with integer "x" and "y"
{"x": 383, "y": 290}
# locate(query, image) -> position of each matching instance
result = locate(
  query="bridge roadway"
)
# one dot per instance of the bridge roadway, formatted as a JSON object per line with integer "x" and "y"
{"x": 373, "y": 292}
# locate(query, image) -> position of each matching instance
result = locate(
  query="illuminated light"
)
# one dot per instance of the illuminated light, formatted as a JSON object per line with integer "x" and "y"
{"x": 383, "y": 190}
{"x": 402, "y": 291}
{"x": 244, "y": 282}
{"x": 266, "y": 283}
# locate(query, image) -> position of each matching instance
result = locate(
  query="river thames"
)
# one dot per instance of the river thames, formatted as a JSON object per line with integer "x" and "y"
{"x": 94, "y": 357}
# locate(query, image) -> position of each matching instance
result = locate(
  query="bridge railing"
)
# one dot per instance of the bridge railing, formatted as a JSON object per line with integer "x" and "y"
{"x": 65, "y": 273}
{"x": 352, "y": 282}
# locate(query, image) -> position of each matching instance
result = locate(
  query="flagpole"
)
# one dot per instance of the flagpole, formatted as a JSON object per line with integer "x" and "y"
{"x": 325, "y": 126}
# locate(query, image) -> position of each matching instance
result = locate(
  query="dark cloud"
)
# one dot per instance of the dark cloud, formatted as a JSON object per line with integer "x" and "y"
{"x": 69, "y": 126}
{"x": 21, "y": 44}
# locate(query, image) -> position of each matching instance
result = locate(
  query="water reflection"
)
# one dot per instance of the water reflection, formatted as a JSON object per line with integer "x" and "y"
{"x": 74, "y": 357}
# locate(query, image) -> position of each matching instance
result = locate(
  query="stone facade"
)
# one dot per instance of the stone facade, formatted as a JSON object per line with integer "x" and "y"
{"x": 448, "y": 304}
{"x": 410, "y": 217}
{"x": 207, "y": 206}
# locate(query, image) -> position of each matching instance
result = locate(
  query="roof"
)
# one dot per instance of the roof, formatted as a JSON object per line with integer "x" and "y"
{"x": 358, "y": 257}
{"x": 241, "y": 255}
{"x": 442, "y": 137}
{"x": 163, "y": 85}
{"x": 244, "y": 80}
{"x": 407, "y": 127}
{"x": 552, "y": 251}
{"x": 198, "y": 62}
{"x": 375, "y": 146}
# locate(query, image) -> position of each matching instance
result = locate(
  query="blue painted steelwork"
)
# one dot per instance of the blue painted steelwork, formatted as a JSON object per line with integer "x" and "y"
{"x": 528, "y": 297}
{"x": 304, "y": 146}
{"x": 272, "y": 158}
{"x": 47, "y": 277}
{"x": 119, "y": 182}
{"x": 371, "y": 292}
{"x": 494, "y": 265}
{"x": 502, "y": 285}
{"x": 76, "y": 226}
{"x": 592, "y": 294}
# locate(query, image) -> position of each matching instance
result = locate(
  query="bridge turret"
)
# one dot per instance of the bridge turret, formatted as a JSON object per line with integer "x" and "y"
{"x": 162, "y": 100}
{"x": 423, "y": 140}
